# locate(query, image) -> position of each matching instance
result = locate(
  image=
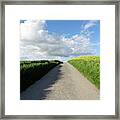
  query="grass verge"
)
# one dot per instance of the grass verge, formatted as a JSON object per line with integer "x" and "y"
{"x": 89, "y": 66}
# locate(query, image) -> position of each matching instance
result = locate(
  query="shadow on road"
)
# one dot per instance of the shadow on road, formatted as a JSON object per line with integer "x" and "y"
{"x": 40, "y": 89}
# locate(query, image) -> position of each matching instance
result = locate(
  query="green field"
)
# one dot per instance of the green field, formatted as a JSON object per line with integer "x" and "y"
{"x": 89, "y": 66}
{"x": 31, "y": 71}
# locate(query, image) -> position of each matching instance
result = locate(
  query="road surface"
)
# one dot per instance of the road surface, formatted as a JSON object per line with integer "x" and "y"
{"x": 63, "y": 82}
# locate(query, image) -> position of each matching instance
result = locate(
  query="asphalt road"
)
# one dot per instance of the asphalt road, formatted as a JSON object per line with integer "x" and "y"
{"x": 63, "y": 82}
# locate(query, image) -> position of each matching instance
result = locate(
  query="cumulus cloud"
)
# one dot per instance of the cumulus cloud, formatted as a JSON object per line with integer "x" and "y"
{"x": 38, "y": 43}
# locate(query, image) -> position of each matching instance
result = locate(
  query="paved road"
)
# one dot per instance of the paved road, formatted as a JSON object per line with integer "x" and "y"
{"x": 63, "y": 82}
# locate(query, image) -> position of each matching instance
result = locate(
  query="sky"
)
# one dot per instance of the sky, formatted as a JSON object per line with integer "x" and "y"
{"x": 58, "y": 39}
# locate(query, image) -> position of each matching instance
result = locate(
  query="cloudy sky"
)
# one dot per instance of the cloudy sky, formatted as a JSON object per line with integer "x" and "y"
{"x": 58, "y": 39}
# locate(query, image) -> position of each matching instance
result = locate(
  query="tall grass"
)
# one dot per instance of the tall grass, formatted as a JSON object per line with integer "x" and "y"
{"x": 31, "y": 71}
{"x": 89, "y": 66}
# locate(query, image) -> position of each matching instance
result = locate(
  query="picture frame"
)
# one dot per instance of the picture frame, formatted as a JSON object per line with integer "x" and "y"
{"x": 70, "y": 2}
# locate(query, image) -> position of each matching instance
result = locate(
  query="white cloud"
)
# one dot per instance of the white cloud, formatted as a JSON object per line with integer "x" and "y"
{"x": 38, "y": 43}
{"x": 90, "y": 24}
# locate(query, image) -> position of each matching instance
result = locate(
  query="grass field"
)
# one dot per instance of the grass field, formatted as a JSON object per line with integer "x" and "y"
{"x": 31, "y": 71}
{"x": 89, "y": 66}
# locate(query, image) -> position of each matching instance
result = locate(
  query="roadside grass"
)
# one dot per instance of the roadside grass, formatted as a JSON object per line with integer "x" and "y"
{"x": 89, "y": 66}
{"x": 31, "y": 71}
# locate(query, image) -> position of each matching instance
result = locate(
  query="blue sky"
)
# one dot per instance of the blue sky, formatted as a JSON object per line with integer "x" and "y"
{"x": 72, "y": 27}
{"x": 59, "y": 39}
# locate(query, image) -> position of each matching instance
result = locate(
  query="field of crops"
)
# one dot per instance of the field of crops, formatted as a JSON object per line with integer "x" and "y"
{"x": 89, "y": 66}
{"x": 31, "y": 71}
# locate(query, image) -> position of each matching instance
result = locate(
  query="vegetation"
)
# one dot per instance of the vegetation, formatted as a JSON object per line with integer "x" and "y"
{"x": 89, "y": 66}
{"x": 31, "y": 71}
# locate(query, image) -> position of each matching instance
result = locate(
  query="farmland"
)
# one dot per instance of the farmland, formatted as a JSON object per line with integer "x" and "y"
{"x": 31, "y": 71}
{"x": 89, "y": 66}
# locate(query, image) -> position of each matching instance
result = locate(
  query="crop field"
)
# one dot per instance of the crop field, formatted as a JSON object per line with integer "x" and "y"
{"x": 31, "y": 71}
{"x": 89, "y": 66}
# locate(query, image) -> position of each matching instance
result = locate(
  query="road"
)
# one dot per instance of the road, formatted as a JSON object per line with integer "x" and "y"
{"x": 63, "y": 82}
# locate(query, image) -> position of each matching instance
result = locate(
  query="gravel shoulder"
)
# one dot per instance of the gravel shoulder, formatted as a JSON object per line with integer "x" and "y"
{"x": 63, "y": 82}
